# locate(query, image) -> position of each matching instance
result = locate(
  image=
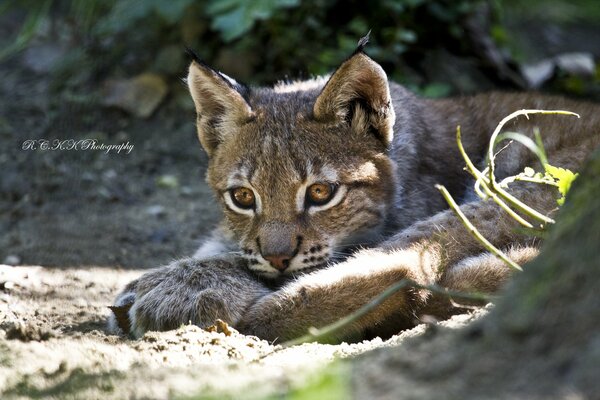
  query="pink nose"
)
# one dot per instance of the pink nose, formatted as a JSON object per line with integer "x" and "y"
{"x": 280, "y": 262}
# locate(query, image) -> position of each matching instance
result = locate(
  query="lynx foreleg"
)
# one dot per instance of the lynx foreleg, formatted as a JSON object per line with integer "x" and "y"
{"x": 325, "y": 296}
{"x": 484, "y": 273}
{"x": 426, "y": 253}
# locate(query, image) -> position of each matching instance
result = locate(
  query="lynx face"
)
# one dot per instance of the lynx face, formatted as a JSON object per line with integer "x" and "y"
{"x": 300, "y": 172}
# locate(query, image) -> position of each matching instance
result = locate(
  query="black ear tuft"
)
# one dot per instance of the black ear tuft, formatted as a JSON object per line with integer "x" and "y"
{"x": 242, "y": 88}
{"x": 362, "y": 43}
{"x": 193, "y": 56}
{"x": 358, "y": 93}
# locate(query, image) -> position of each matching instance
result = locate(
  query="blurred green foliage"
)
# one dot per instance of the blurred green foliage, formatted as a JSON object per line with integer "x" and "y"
{"x": 262, "y": 41}
{"x": 233, "y": 18}
{"x": 258, "y": 41}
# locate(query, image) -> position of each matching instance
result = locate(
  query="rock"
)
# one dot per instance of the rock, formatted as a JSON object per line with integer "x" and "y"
{"x": 12, "y": 260}
{"x": 221, "y": 326}
{"x": 187, "y": 191}
{"x": 139, "y": 96}
{"x": 573, "y": 64}
{"x": 109, "y": 174}
{"x": 156, "y": 211}
{"x": 7, "y": 286}
{"x": 537, "y": 74}
{"x": 88, "y": 176}
{"x": 167, "y": 181}
{"x": 578, "y": 64}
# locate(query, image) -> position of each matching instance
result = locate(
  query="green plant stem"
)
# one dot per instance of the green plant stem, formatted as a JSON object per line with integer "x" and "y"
{"x": 524, "y": 208}
{"x": 483, "y": 182}
{"x": 528, "y": 179}
{"x": 478, "y": 182}
{"x": 471, "y": 228}
{"x": 331, "y": 329}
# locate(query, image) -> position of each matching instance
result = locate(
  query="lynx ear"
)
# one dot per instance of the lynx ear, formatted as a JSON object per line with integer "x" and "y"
{"x": 358, "y": 92}
{"x": 219, "y": 104}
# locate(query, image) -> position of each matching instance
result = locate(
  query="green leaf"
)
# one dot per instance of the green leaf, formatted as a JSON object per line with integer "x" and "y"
{"x": 233, "y": 18}
{"x": 563, "y": 177}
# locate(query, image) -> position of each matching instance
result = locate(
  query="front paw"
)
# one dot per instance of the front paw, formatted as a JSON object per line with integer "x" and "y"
{"x": 189, "y": 291}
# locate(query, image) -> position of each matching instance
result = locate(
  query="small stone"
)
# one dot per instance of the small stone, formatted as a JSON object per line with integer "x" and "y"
{"x": 88, "y": 176}
{"x": 167, "y": 181}
{"x": 109, "y": 174}
{"x": 538, "y": 73}
{"x": 221, "y": 326}
{"x": 187, "y": 191}
{"x": 12, "y": 260}
{"x": 574, "y": 64}
{"x": 7, "y": 286}
{"x": 578, "y": 64}
{"x": 156, "y": 210}
{"x": 105, "y": 193}
{"x": 140, "y": 95}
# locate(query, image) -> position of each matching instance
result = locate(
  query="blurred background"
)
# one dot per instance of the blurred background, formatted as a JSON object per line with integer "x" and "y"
{"x": 111, "y": 71}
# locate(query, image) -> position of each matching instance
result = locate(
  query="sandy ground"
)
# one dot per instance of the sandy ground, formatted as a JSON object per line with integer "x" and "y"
{"x": 53, "y": 344}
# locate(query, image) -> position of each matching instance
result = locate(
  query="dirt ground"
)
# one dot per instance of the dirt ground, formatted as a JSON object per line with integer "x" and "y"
{"x": 53, "y": 344}
{"x": 83, "y": 207}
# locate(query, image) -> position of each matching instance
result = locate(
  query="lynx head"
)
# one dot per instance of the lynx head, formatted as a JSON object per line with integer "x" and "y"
{"x": 302, "y": 169}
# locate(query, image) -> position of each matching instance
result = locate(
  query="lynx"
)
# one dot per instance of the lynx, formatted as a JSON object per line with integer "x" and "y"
{"x": 327, "y": 187}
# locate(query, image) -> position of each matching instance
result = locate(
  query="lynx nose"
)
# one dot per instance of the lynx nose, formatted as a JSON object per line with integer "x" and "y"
{"x": 278, "y": 243}
{"x": 280, "y": 262}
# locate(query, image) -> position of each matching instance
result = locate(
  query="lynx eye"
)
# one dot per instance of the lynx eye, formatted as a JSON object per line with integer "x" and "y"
{"x": 243, "y": 197}
{"x": 319, "y": 193}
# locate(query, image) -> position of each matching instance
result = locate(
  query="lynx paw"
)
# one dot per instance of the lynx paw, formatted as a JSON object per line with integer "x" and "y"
{"x": 187, "y": 291}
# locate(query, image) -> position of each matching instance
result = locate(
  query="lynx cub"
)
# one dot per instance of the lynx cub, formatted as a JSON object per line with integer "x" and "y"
{"x": 327, "y": 187}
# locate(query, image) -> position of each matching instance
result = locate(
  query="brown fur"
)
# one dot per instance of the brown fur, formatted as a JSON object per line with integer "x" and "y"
{"x": 277, "y": 141}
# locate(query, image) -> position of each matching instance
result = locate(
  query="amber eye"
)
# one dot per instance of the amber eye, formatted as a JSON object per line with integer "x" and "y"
{"x": 319, "y": 193}
{"x": 243, "y": 197}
